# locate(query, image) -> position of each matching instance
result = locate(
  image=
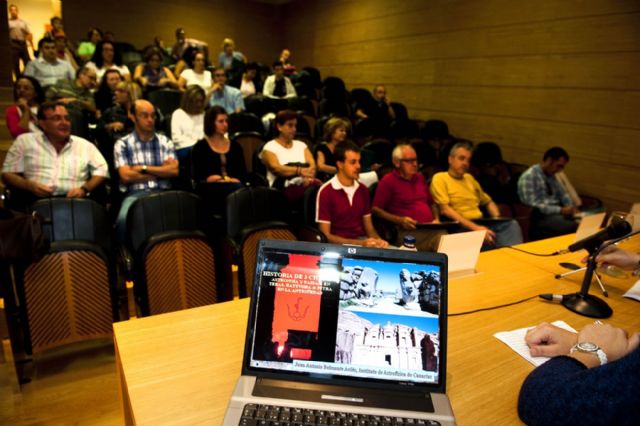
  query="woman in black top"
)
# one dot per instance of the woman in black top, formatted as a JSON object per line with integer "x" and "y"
{"x": 335, "y": 131}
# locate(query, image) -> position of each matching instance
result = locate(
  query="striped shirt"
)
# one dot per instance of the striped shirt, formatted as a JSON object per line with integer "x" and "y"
{"x": 131, "y": 151}
{"x": 33, "y": 156}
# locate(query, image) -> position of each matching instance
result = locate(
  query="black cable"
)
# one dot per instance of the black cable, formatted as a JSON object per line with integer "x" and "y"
{"x": 555, "y": 253}
{"x": 492, "y": 307}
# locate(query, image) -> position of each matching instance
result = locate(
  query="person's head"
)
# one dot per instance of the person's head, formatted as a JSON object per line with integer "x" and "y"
{"x": 87, "y": 77}
{"x": 110, "y": 80}
{"x": 554, "y": 160}
{"x": 127, "y": 92}
{"x": 379, "y": 92}
{"x": 228, "y": 45}
{"x": 47, "y": 48}
{"x": 198, "y": 61}
{"x": 54, "y": 121}
{"x": 193, "y": 100}
{"x": 180, "y": 35}
{"x": 153, "y": 58}
{"x": 460, "y": 158}
{"x": 285, "y": 55}
{"x": 13, "y": 11}
{"x": 106, "y": 54}
{"x": 336, "y": 129}
{"x": 250, "y": 70}
{"x": 143, "y": 115}
{"x": 219, "y": 76}
{"x": 286, "y": 121}
{"x": 405, "y": 160}
{"x": 56, "y": 23}
{"x": 28, "y": 88}
{"x": 94, "y": 35}
{"x": 347, "y": 155}
{"x": 60, "y": 39}
{"x": 278, "y": 70}
{"x": 216, "y": 121}
{"x": 109, "y": 36}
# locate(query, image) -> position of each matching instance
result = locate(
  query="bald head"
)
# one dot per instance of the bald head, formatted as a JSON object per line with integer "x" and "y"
{"x": 143, "y": 114}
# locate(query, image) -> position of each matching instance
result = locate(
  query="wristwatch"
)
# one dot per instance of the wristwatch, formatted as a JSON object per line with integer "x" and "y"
{"x": 144, "y": 169}
{"x": 590, "y": 348}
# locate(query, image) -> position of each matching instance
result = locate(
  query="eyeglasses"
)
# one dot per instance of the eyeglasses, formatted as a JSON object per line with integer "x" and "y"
{"x": 409, "y": 160}
{"x": 57, "y": 117}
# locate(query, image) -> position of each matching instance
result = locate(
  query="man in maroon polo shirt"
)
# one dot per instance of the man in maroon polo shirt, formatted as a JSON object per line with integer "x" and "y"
{"x": 343, "y": 210}
{"x": 403, "y": 198}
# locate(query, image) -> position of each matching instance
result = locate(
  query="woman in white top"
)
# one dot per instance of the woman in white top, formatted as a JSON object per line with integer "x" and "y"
{"x": 187, "y": 122}
{"x": 197, "y": 74}
{"x": 247, "y": 85}
{"x": 106, "y": 58}
{"x": 290, "y": 164}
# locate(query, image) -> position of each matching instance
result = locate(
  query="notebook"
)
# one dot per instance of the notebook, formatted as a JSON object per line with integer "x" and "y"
{"x": 463, "y": 250}
{"x": 346, "y": 329}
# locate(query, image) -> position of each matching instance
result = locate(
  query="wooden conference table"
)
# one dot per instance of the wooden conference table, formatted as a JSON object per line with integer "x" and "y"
{"x": 180, "y": 368}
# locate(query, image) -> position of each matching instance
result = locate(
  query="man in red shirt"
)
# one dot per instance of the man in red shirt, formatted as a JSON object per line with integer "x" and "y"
{"x": 343, "y": 209}
{"x": 403, "y": 198}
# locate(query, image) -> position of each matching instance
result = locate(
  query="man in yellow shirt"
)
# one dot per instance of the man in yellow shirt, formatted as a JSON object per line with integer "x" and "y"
{"x": 460, "y": 197}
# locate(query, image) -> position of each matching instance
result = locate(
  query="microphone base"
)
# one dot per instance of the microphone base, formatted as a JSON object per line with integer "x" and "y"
{"x": 587, "y": 305}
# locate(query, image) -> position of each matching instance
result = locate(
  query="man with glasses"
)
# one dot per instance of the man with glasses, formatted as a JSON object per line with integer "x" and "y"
{"x": 53, "y": 163}
{"x": 225, "y": 96}
{"x": 403, "y": 198}
{"x": 76, "y": 94}
{"x": 553, "y": 209}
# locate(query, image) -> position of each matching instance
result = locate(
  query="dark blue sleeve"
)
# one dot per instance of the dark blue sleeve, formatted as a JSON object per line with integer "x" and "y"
{"x": 563, "y": 391}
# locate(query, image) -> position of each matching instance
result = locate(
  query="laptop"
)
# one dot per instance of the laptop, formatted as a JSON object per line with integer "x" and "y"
{"x": 346, "y": 332}
{"x": 462, "y": 250}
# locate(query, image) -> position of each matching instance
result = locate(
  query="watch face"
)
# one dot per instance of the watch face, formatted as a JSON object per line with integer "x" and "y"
{"x": 587, "y": 347}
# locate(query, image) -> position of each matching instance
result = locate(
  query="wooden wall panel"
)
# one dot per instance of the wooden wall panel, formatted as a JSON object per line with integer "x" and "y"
{"x": 528, "y": 75}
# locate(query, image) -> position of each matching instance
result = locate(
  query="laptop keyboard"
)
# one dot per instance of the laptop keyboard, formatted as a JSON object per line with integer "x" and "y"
{"x": 271, "y": 415}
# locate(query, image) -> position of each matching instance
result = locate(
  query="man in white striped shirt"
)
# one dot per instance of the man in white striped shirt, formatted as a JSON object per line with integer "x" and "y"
{"x": 54, "y": 163}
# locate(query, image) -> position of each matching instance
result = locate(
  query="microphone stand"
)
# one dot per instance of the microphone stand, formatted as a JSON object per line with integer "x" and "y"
{"x": 587, "y": 304}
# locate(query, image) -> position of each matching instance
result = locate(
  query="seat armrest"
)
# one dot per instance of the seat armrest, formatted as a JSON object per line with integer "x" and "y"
{"x": 308, "y": 233}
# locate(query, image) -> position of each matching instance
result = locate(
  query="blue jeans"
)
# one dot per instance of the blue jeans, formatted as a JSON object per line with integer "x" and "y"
{"x": 508, "y": 233}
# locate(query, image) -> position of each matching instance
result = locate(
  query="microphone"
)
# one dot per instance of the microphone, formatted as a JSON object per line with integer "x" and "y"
{"x": 616, "y": 229}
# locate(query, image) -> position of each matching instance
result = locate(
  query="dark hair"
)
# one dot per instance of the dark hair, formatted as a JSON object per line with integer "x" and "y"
{"x": 82, "y": 70}
{"x": 46, "y": 39}
{"x": 555, "y": 153}
{"x": 210, "y": 119}
{"x": 55, "y": 18}
{"x": 47, "y": 106}
{"x": 36, "y": 86}
{"x": 91, "y": 31}
{"x": 340, "y": 152}
{"x": 277, "y": 63}
{"x": 190, "y": 53}
{"x": 152, "y": 51}
{"x": 284, "y": 116}
{"x": 97, "y": 55}
{"x": 251, "y": 66}
{"x": 103, "y": 89}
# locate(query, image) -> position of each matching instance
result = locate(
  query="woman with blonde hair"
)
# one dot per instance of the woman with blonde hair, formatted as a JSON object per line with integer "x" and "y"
{"x": 187, "y": 122}
{"x": 228, "y": 55}
{"x": 335, "y": 131}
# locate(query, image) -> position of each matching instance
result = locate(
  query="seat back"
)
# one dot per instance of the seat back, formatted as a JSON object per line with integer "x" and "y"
{"x": 244, "y": 122}
{"x": 249, "y": 206}
{"x": 70, "y": 293}
{"x": 166, "y": 100}
{"x": 250, "y": 142}
{"x": 382, "y": 150}
{"x": 309, "y": 205}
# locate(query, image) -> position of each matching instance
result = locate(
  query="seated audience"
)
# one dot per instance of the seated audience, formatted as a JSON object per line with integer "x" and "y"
{"x": 47, "y": 68}
{"x": 53, "y": 162}
{"x": 183, "y": 43}
{"x": 151, "y": 75}
{"x": 21, "y": 116}
{"x": 591, "y": 378}
{"x": 290, "y": 165}
{"x": 553, "y": 208}
{"x": 187, "y": 122}
{"x": 335, "y": 131}
{"x": 289, "y": 68}
{"x": 343, "y": 209}
{"x": 248, "y": 84}
{"x": 223, "y": 95}
{"x": 403, "y": 198}
{"x": 145, "y": 161}
{"x": 196, "y": 74}
{"x": 87, "y": 48}
{"x": 379, "y": 109}
{"x": 76, "y": 94}
{"x": 105, "y": 95}
{"x": 277, "y": 85}
{"x": 106, "y": 58}
{"x": 229, "y": 57}
{"x": 459, "y": 197}
{"x": 62, "y": 48}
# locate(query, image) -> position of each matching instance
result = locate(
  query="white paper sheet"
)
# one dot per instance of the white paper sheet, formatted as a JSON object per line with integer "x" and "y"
{"x": 515, "y": 340}
{"x": 634, "y": 292}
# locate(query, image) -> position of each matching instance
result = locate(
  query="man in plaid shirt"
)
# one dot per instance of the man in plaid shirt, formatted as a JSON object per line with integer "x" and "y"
{"x": 145, "y": 160}
{"x": 553, "y": 209}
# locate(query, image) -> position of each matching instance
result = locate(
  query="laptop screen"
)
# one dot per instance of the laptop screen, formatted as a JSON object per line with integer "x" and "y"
{"x": 339, "y": 312}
